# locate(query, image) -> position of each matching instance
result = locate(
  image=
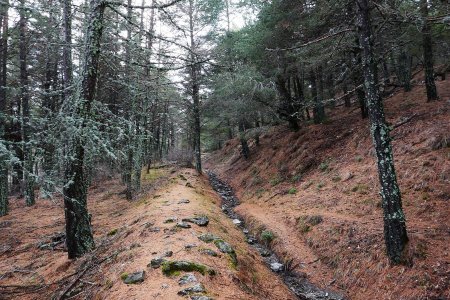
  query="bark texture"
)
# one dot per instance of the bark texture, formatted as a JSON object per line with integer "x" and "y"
{"x": 79, "y": 238}
{"x": 428, "y": 53}
{"x": 394, "y": 219}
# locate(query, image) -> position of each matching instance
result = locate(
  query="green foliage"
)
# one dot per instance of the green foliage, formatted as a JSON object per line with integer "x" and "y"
{"x": 360, "y": 188}
{"x": 292, "y": 191}
{"x": 112, "y": 232}
{"x": 274, "y": 181}
{"x": 320, "y": 185}
{"x": 323, "y": 166}
{"x": 267, "y": 237}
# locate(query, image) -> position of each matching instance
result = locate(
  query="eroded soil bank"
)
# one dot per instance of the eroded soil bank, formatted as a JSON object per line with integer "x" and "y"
{"x": 261, "y": 239}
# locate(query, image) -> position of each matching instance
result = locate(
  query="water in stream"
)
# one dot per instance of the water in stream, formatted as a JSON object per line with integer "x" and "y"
{"x": 297, "y": 283}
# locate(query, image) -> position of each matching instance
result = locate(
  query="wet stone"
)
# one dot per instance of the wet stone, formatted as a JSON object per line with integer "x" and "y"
{"x": 197, "y": 288}
{"x": 134, "y": 278}
{"x": 200, "y": 221}
{"x": 187, "y": 278}
{"x": 156, "y": 262}
{"x": 276, "y": 267}
{"x": 208, "y": 237}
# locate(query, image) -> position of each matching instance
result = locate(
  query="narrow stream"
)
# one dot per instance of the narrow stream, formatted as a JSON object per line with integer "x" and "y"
{"x": 297, "y": 283}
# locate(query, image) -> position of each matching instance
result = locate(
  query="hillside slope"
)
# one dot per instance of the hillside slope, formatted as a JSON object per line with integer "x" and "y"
{"x": 317, "y": 190}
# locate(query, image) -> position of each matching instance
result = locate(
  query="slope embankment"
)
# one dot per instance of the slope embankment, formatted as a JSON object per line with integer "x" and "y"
{"x": 317, "y": 191}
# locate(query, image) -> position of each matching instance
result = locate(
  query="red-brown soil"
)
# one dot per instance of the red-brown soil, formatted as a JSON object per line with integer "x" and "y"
{"x": 329, "y": 171}
{"x": 126, "y": 242}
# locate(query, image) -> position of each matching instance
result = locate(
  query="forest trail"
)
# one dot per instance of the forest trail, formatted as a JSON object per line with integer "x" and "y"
{"x": 130, "y": 235}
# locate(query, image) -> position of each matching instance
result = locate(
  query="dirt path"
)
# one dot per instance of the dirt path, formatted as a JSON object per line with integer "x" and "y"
{"x": 138, "y": 232}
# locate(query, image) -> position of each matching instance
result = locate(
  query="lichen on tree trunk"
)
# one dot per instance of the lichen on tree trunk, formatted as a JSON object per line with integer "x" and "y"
{"x": 394, "y": 219}
{"x": 79, "y": 238}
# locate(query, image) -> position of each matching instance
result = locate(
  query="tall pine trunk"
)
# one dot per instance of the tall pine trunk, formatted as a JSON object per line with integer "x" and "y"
{"x": 67, "y": 48}
{"x": 428, "y": 53}
{"x": 394, "y": 219}
{"x": 195, "y": 92}
{"x": 28, "y": 177}
{"x": 3, "y": 109}
{"x": 79, "y": 238}
{"x": 317, "y": 105}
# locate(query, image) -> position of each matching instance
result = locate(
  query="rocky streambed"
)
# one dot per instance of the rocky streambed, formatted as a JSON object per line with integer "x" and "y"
{"x": 296, "y": 282}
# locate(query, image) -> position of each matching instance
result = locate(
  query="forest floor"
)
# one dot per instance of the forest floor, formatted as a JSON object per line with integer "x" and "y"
{"x": 128, "y": 236}
{"x": 317, "y": 190}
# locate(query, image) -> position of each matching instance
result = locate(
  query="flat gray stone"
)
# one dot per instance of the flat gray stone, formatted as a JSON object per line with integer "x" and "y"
{"x": 223, "y": 246}
{"x": 197, "y": 288}
{"x": 187, "y": 278}
{"x": 171, "y": 220}
{"x": 196, "y": 297}
{"x": 200, "y": 221}
{"x": 167, "y": 254}
{"x": 156, "y": 262}
{"x": 183, "y": 225}
{"x": 209, "y": 252}
{"x": 208, "y": 237}
{"x": 136, "y": 277}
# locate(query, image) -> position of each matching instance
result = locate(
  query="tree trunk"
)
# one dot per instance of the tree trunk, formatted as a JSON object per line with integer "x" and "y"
{"x": 404, "y": 70}
{"x": 243, "y": 140}
{"x": 286, "y": 108}
{"x": 79, "y": 237}
{"x": 195, "y": 92}
{"x": 28, "y": 176}
{"x": 3, "y": 108}
{"x": 357, "y": 81}
{"x": 394, "y": 220}
{"x": 347, "y": 102}
{"x": 428, "y": 53}
{"x": 67, "y": 48}
{"x": 317, "y": 105}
